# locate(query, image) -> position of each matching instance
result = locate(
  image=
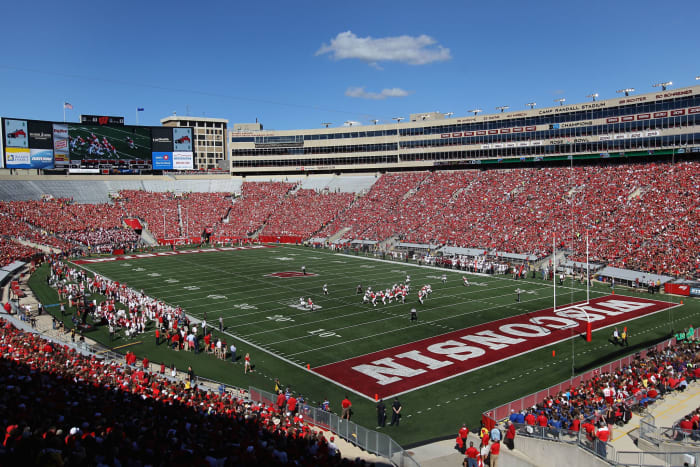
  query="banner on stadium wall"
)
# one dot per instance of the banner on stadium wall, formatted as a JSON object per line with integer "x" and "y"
{"x": 183, "y": 160}
{"x": 61, "y": 156}
{"x": 677, "y": 289}
{"x": 163, "y": 160}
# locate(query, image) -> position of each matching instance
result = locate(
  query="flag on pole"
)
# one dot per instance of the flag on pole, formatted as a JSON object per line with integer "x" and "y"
{"x": 67, "y": 105}
{"x": 139, "y": 109}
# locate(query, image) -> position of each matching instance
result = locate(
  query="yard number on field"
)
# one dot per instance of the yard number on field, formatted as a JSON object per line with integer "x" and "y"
{"x": 323, "y": 333}
{"x": 279, "y": 318}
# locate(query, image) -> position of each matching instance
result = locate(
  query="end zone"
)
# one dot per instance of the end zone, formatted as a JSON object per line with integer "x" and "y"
{"x": 408, "y": 367}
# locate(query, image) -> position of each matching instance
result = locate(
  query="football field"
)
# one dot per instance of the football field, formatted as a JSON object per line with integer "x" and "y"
{"x": 471, "y": 348}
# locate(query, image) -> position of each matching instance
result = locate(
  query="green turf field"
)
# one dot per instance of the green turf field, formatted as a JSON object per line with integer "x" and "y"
{"x": 262, "y": 316}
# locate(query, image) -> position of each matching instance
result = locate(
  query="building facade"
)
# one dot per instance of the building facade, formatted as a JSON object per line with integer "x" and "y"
{"x": 209, "y": 139}
{"x": 663, "y": 122}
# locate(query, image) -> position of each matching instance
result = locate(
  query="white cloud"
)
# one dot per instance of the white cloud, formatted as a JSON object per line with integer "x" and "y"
{"x": 359, "y": 92}
{"x": 418, "y": 50}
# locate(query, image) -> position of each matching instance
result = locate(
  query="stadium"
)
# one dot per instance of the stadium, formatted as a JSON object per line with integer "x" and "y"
{"x": 462, "y": 269}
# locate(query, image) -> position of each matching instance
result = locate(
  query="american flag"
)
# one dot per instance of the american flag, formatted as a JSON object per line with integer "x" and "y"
{"x": 67, "y": 105}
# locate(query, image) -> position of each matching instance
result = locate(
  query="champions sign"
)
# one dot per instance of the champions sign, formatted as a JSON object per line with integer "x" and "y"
{"x": 412, "y": 366}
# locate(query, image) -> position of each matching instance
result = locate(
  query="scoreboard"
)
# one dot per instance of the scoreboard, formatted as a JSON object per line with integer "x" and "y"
{"x": 101, "y": 120}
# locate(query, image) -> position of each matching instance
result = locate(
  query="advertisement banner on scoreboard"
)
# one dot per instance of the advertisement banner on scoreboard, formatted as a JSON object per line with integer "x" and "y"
{"x": 163, "y": 160}
{"x": 162, "y": 139}
{"x": 25, "y": 158}
{"x": 183, "y": 160}
{"x": 16, "y": 133}
{"x": 17, "y": 158}
{"x": 182, "y": 139}
{"x": 40, "y": 135}
{"x": 60, "y": 145}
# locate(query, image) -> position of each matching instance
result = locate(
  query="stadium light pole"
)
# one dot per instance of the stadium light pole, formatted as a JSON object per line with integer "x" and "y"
{"x": 561, "y": 100}
{"x": 627, "y": 91}
{"x": 593, "y": 96}
{"x": 663, "y": 85}
{"x": 531, "y": 105}
{"x": 502, "y": 108}
{"x": 475, "y": 111}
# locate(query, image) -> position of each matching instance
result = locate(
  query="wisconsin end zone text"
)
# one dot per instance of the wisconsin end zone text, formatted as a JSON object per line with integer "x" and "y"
{"x": 412, "y": 366}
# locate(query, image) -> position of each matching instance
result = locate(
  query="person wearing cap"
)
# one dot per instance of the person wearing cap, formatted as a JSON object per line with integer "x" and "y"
{"x": 333, "y": 448}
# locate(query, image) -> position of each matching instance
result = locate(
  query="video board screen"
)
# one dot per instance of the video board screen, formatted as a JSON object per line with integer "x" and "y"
{"x": 34, "y": 144}
{"x": 104, "y": 142}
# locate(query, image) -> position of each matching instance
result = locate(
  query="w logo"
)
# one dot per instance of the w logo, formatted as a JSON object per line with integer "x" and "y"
{"x": 103, "y": 120}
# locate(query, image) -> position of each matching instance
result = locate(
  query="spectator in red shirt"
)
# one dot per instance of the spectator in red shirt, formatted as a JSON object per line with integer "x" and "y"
{"x": 464, "y": 433}
{"x": 510, "y": 436}
{"x": 292, "y": 404}
{"x": 530, "y": 419}
{"x": 346, "y": 405}
{"x": 281, "y": 402}
{"x": 472, "y": 455}
{"x": 495, "y": 451}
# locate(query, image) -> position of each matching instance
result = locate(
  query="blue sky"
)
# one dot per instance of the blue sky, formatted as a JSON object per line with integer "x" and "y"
{"x": 298, "y": 64}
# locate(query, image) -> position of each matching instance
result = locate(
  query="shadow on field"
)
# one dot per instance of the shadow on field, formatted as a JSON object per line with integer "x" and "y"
{"x": 619, "y": 352}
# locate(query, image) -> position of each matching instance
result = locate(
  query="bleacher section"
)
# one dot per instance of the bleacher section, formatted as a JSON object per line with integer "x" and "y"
{"x": 642, "y": 217}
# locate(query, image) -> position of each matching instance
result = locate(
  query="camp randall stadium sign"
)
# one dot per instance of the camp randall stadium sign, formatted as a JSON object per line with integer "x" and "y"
{"x": 408, "y": 367}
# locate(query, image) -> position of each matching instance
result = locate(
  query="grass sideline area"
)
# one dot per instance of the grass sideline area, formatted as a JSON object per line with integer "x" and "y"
{"x": 261, "y": 313}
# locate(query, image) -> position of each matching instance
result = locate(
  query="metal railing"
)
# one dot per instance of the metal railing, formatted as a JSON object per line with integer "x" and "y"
{"x": 580, "y": 438}
{"x": 653, "y": 459}
{"x": 657, "y": 435}
{"x": 369, "y": 440}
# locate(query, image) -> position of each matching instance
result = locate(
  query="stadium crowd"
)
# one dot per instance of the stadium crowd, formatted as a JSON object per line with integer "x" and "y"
{"x": 59, "y": 407}
{"x": 252, "y": 209}
{"x": 305, "y": 213}
{"x": 598, "y": 404}
{"x": 644, "y": 217}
